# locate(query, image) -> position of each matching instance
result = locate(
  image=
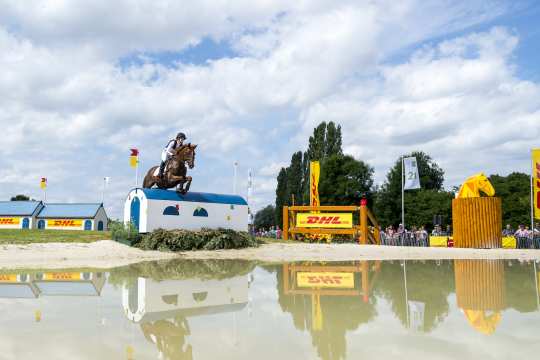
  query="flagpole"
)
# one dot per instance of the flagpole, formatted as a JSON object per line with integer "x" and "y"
{"x": 403, "y": 191}
{"x": 234, "y": 176}
{"x": 103, "y": 192}
{"x": 137, "y": 173}
{"x": 406, "y": 292}
{"x": 536, "y": 283}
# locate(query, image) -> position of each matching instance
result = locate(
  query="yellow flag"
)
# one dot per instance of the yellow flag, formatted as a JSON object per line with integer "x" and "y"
{"x": 134, "y": 158}
{"x": 536, "y": 181}
{"x": 315, "y": 173}
{"x": 43, "y": 183}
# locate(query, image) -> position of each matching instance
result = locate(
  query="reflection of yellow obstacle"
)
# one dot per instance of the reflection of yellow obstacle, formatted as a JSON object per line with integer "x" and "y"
{"x": 331, "y": 220}
{"x": 480, "y": 292}
{"x": 477, "y": 220}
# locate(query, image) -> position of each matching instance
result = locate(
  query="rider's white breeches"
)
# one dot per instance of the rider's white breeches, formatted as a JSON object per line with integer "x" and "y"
{"x": 165, "y": 156}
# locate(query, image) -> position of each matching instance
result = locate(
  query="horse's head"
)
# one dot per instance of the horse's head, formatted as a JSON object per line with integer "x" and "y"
{"x": 186, "y": 153}
{"x": 484, "y": 185}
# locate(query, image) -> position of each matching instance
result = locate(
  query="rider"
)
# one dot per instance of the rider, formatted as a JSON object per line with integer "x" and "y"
{"x": 168, "y": 151}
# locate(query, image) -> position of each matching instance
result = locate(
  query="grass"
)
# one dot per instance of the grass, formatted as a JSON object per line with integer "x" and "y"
{"x": 16, "y": 236}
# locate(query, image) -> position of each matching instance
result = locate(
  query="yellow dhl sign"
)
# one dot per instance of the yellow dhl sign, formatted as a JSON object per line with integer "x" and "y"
{"x": 326, "y": 220}
{"x": 64, "y": 223}
{"x": 63, "y": 276}
{"x": 10, "y": 221}
{"x": 8, "y": 278}
{"x": 329, "y": 280}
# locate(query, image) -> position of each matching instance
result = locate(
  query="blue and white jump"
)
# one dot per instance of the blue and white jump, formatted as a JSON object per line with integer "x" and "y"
{"x": 150, "y": 209}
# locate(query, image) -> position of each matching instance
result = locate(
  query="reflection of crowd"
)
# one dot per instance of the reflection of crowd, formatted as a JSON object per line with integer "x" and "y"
{"x": 416, "y": 236}
{"x": 525, "y": 238}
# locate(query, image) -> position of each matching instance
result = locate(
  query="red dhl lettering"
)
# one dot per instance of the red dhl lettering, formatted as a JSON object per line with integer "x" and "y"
{"x": 318, "y": 279}
{"x": 64, "y": 223}
{"x": 325, "y": 220}
{"x": 7, "y": 222}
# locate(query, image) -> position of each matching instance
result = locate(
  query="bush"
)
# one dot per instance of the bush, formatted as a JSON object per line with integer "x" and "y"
{"x": 206, "y": 239}
{"x": 124, "y": 233}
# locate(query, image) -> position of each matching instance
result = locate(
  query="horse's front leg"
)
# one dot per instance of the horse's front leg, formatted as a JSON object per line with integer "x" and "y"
{"x": 188, "y": 183}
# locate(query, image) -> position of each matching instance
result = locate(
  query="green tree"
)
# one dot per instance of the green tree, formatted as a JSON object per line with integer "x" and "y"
{"x": 388, "y": 198}
{"x": 295, "y": 178}
{"x": 343, "y": 178}
{"x": 514, "y": 190}
{"x": 20, "y": 197}
{"x": 266, "y": 217}
{"x": 281, "y": 195}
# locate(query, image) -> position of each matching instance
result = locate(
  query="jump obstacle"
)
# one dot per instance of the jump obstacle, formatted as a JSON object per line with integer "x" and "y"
{"x": 151, "y": 209}
{"x": 331, "y": 220}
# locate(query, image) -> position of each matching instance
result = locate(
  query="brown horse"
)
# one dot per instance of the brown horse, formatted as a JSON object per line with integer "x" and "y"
{"x": 175, "y": 171}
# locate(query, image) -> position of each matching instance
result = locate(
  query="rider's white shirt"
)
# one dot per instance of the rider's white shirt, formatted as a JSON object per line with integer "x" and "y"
{"x": 168, "y": 151}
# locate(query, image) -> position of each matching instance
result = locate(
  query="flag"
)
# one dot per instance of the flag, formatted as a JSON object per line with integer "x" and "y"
{"x": 416, "y": 314}
{"x": 314, "y": 174}
{"x": 134, "y": 158}
{"x": 43, "y": 183}
{"x": 106, "y": 179}
{"x": 412, "y": 178}
{"x": 536, "y": 182}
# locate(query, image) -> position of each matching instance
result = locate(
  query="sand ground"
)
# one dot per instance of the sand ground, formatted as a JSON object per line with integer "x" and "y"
{"x": 107, "y": 254}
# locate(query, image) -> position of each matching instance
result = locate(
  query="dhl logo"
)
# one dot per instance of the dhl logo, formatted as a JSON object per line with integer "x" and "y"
{"x": 64, "y": 223}
{"x": 324, "y": 279}
{"x": 337, "y": 280}
{"x": 326, "y": 220}
{"x": 8, "y": 221}
{"x": 8, "y": 278}
{"x": 62, "y": 276}
{"x": 322, "y": 220}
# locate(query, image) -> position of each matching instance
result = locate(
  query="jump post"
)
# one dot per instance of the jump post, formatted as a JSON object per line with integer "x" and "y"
{"x": 332, "y": 220}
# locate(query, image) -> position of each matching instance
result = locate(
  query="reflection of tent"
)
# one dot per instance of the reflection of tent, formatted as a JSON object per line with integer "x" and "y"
{"x": 149, "y": 300}
{"x": 70, "y": 283}
{"x": 480, "y": 292}
{"x": 17, "y": 286}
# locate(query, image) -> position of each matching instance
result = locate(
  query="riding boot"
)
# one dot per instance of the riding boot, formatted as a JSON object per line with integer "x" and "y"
{"x": 161, "y": 169}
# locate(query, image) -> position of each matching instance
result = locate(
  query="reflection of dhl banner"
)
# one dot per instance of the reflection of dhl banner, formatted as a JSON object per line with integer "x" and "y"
{"x": 10, "y": 221}
{"x": 69, "y": 276}
{"x": 326, "y": 220}
{"x": 8, "y": 278}
{"x": 64, "y": 223}
{"x": 329, "y": 280}
{"x": 536, "y": 174}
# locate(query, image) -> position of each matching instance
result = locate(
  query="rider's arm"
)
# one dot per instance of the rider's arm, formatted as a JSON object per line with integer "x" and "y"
{"x": 170, "y": 147}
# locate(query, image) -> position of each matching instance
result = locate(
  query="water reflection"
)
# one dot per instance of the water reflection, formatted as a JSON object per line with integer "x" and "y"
{"x": 32, "y": 285}
{"x": 231, "y": 309}
{"x": 328, "y": 300}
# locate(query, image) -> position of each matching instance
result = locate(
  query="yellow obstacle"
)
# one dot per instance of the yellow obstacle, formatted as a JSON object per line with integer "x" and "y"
{"x": 477, "y": 220}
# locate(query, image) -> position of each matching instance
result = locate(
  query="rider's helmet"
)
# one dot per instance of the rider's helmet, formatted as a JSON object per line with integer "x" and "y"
{"x": 181, "y": 135}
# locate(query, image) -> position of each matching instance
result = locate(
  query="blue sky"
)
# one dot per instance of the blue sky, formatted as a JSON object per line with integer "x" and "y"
{"x": 248, "y": 82}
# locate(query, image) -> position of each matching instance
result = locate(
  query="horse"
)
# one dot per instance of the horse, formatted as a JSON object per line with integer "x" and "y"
{"x": 175, "y": 174}
{"x": 473, "y": 185}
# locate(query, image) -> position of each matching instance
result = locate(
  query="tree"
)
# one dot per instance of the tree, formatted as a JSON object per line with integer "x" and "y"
{"x": 265, "y": 218}
{"x": 20, "y": 197}
{"x": 281, "y": 195}
{"x": 343, "y": 178}
{"x": 388, "y": 198}
{"x": 295, "y": 178}
{"x": 514, "y": 190}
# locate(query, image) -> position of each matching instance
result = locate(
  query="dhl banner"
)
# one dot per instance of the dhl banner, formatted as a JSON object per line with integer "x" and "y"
{"x": 64, "y": 223}
{"x": 536, "y": 181}
{"x": 328, "y": 280}
{"x": 8, "y": 278}
{"x": 10, "y": 221}
{"x": 325, "y": 220}
{"x": 315, "y": 173}
{"x": 67, "y": 276}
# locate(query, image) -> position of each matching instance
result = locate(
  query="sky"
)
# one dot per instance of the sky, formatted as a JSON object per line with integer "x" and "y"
{"x": 83, "y": 82}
